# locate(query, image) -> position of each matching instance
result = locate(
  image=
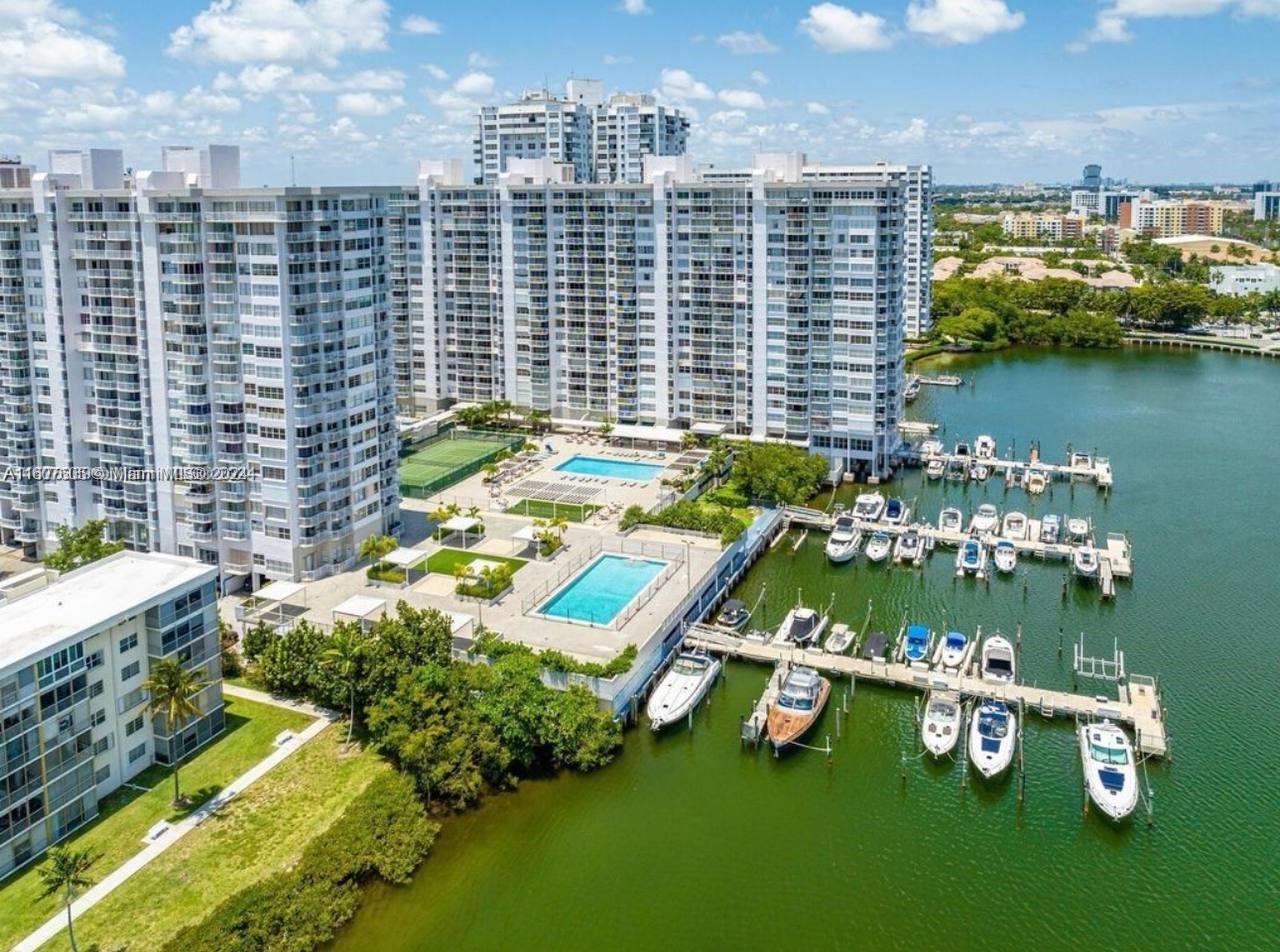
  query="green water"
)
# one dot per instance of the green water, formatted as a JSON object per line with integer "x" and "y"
{"x": 686, "y": 840}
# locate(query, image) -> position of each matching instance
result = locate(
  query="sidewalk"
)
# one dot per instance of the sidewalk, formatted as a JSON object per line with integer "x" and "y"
{"x": 57, "y": 923}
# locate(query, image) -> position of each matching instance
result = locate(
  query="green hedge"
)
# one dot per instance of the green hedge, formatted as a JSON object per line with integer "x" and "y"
{"x": 491, "y": 646}
{"x": 696, "y": 516}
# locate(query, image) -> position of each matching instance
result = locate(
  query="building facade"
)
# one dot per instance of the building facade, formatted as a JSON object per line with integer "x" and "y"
{"x": 1242, "y": 279}
{"x": 628, "y": 127}
{"x": 1169, "y": 218}
{"x": 1100, "y": 203}
{"x": 1266, "y": 206}
{"x": 74, "y": 656}
{"x": 1035, "y": 225}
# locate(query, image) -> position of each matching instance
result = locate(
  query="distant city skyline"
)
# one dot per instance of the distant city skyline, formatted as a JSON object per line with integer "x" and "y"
{"x": 357, "y": 90}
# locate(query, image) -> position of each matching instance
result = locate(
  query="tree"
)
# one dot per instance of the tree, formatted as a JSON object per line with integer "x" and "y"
{"x": 605, "y": 428}
{"x": 229, "y": 656}
{"x": 79, "y": 547}
{"x": 778, "y": 472}
{"x": 539, "y": 420}
{"x": 172, "y": 688}
{"x": 688, "y": 440}
{"x": 375, "y": 548}
{"x": 67, "y": 872}
{"x": 342, "y": 659}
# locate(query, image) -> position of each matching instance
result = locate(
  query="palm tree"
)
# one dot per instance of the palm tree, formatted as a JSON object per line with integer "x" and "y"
{"x": 375, "y": 547}
{"x": 342, "y": 658}
{"x": 172, "y": 687}
{"x": 559, "y": 524}
{"x": 67, "y": 871}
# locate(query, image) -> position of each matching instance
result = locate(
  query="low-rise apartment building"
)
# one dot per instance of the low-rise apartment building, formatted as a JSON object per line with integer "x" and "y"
{"x": 1042, "y": 225}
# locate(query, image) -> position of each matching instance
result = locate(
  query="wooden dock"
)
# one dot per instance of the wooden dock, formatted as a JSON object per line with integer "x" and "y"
{"x": 1097, "y": 470}
{"x": 1138, "y": 703}
{"x": 754, "y": 727}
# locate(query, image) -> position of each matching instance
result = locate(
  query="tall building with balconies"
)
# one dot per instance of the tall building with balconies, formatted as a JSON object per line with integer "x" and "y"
{"x": 629, "y": 126}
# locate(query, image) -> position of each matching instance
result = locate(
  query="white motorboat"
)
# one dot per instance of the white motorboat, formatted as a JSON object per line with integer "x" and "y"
{"x": 912, "y": 389}
{"x": 1077, "y": 529}
{"x": 993, "y": 734}
{"x": 896, "y": 511}
{"x": 915, "y": 644}
{"x": 935, "y": 469}
{"x": 1015, "y": 526}
{"x": 802, "y": 626}
{"x": 909, "y": 547}
{"x": 1081, "y": 460}
{"x": 1109, "y": 770}
{"x": 998, "y": 662}
{"x": 1014, "y": 476}
{"x": 985, "y": 519}
{"x": 1035, "y": 481}
{"x": 734, "y": 614}
{"x": 839, "y": 640}
{"x": 868, "y": 506}
{"x": 941, "y": 724}
{"x": 950, "y": 520}
{"x": 842, "y": 544}
{"x": 681, "y": 688}
{"x": 1050, "y": 527}
{"x": 984, "y": 447}
{"x": 1005, "y": 556}
{"x": 978, "y": 472}
{"x": 971, "y": 559}
{"x": 956, "y": 470}
{"x": 932, "y": 448}
{"x": 955, "y": 645}
{"x": 879, "y": 547}
{"x": 1084, "y": 561}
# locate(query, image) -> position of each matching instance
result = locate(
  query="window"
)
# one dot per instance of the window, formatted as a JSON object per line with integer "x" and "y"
{"x": 95, "y": 689}
{"x": 137, "y": 753}
{"x": 128, "y": 643}
{"x": 134, "y": 726}
{"x": 130, "y": 670}
{"x": 98, "y": 717}
{"x": 103, "y": 774}
{"x": 93, "y": 660}
{"x": 101, "y": 745}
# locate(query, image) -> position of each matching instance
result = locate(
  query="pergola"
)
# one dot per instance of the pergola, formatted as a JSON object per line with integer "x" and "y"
{"x": 272, "y": 604}
{"x": 364, "y": 610}
{"x": 463, "y": 524}
{"x": 406, "y": 559}
{"x": 527, "y": 534}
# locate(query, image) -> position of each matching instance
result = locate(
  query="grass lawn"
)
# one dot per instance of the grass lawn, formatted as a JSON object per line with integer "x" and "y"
{"x": 444, "y": 560}
{"x": 261, "y": 832}
{"x": 541, "y": 509}
{"x": 127, "y": 814}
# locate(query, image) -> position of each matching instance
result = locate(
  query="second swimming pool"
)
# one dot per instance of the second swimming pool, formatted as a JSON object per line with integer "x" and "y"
{"x": 602, "y": 589}
{"x": 612, "y": 468}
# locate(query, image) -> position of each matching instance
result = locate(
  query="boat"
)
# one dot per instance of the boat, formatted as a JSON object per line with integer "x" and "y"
{"x": 941, "y": 724}
{"x": 912, "y": 389}
{"x": 1077, "y": 529}
{"x": 681, "y": 688}
{"x": 978, "y": 472}
{"x": 879, "y": 546}
{"x": 1014, "y": 476}
{"x": 873, "y": 649}
{"x": 1110, "y": 774}
{"x": 802, "y": 626}
{"x": 916, "y": 645}
{"x": 986, "y": 519}
{"x": 932, "y": 448}
{"x": 1084, "y": 561}
{"x": 984, "y": 447}
{"x": 804, "y": 694}
{"x": 868, "y": 506}
{"x": 1005, "y": 556}
{"x": 839, "y": 640}
{"x": 956, "y": 470}
{"x": 1081, "y": 460}
{"x": 1035, "y": 481}
{"x": 1015, "y": 526}
{"x": 895, "y": 511}
{"x": 960, "y": 449}
{"x": 908, "y": 548}
{"x": 950, "y": 520}
{"x": 993, "y": 733}
{"x": 842, "y": 544}
{"x": 1050, "y": 526}
{"x": 954, "y": 647}
{"x": 998, "y": 663}
{"x": 733, "y": 614}
{"x": 970, "y": 558}
{"x": 935, "y": 469}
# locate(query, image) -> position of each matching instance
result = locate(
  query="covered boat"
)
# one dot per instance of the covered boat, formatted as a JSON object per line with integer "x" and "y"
{"x": 998, "y": 662}
{"x": 874, "y": 648}
{"x": 941, "y": 723}
{"x": 1109, "y": 770}
{"x": 804, "y": 694}
{"x": 733, "y": 614}
{"x": 916, "y": 644}
{"x": 802, "y": 626}
{"x": 895, "y": 511}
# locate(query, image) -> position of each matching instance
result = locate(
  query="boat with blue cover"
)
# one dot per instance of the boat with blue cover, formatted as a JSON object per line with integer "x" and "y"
{"x": 992, "y": 737}
{"x": 917, "y": 643}
{"x": 1109, "y": 770}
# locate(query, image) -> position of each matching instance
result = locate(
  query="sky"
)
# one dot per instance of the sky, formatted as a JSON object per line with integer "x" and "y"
{"x": 356, "y": 91}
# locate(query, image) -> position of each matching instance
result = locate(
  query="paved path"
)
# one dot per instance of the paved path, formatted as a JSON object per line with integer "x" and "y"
{"x": 58, "y": 922}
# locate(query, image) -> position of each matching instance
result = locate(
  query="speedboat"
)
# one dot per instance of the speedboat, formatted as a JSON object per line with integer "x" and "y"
{"x": 1085, "y": 561}
{"x": 1109, "y": 771}
{"x": 1014, "y": 476}
{"x": 941, "y": 724}
{"x": 954, "y": 647}
{"x": 961, "y": 449}
{"x": 842, "y": 544}
{"x": 998, "y": 663}
{"x": 956, "y": 470}
{"x": 970, "y": 558}
{"x": 1035, "y": 481}
{"x": 895, "y": 512}
{"x": 950, "y": 520}
{"x": 985, "y": 520}
{"x": 868, "y": 506}
{"x": 992, "y": 735}
{"x": 908, "y": 548}
{"x": 1015, "y": 526}
{"x": 802, "y": 626}
{"x": 1050, "y": 526}
{"x": 1077, "y": 529}
{"x": 916, "y": 645}
{"x": 804, "y": 693}
{"x": 839, "y": 640}
{"x": 1005, "y": 556}
{"x": 873, "y": 649}
{"x": 879, "y": 546}
{"x": 978, "y": 472}
{"x": 1081, "y": 461}
{"x": 733, "y": 614}
{"x": 935, "y": 469}
{"x": 984, "y": 447}
{"x": 681, "y": 688}
{"x": 931, "y": 448}
{"x": 912, "y": 389}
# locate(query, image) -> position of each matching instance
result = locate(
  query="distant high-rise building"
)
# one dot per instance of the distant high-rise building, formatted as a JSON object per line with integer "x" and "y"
{"x": 1092, "y": 177}
{"x": 1266, "y": 205}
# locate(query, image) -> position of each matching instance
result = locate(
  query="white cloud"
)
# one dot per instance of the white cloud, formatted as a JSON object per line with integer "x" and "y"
{"x": 481, "y": 61}
{"x": 435, "y": 72}
{"x": 679, "y": 84}
{"x": 616, "y": 59}
{"x": 1111, "y": 25}
{"x": 742, "y": 43}
{"x": 376, "y": 79}
{"x": 278, "y": 79}
{"x": 816, "y": 109}
{"x": 39, "y": 38}
{"x": 474, "y": 85}
{"x": 961, "y": 21}
{"x": 369, "y": 104}
{"x": 838, "y": 29}
{"x": 914, "y": 131}
{"x": 727, "y": 117}
{"x": 741, "y": 98}
{"x": 202, "y": 101}
{"x": 461, "y": 100}
{"x": 634, "y": 8}
{"x": 420, "y": 25}
{"x": 249, "y": 31}
{"x": 759, "y": 78}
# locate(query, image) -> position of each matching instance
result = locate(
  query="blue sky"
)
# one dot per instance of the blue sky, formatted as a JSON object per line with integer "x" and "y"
{"x": 358, "y": 90}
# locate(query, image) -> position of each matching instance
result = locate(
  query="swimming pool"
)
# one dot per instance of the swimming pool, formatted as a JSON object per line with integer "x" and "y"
{"x": 602, "y": 589}
{"x": 612, "y": 468}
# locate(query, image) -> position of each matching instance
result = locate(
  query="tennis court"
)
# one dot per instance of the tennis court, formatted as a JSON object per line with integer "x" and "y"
{"x": 449, "y": 459}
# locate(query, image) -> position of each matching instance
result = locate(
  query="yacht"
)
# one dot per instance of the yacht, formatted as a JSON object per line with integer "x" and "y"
{"x": 873, "y": 649}
{"x": 909, "y": 547}
{"x": 733, "y": 614}
{"x": 950, "y": 520}
{"x": 941, "y": 724}
{"x": 1015, "y": 526}
{"x": 842, "y": 544}
{"x": 1109, "y": 771}
{"x": 935, "y": 469}
{"x": 954, "y": 648}
{"x": 868, "y": 506}
{"x": 1005, "y": 556}
{"x": 1050, "y": 526}
{"x": 681, "y": 688}
{"x": 916, "y": 645}
{"x": 895, "y": 511}
{"x": 961, "y": 449}
{"x": 971, "y": 558}
{"x": 998, "y": 663}
{"x": 1081, "y": 461}
{"x": 879, "y": 546}
{"x": 802, "y": 626}
{"x": 1035, "y": 481}
{"x": 912, "y": 389}
{"x": 1085, "y": 561}
{"x": 978, "y": 472}
{"x": 1077, "y": 529}
{"x": 804, "y": 693}
{"x": 984, "y": 447}
{"x": 839, "y": 640}
{"x": 986, "y": 519}
{"x": 993, "y": 733}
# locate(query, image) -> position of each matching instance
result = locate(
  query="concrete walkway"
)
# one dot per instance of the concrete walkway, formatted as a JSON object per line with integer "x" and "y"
{"x": 57, "y": 923}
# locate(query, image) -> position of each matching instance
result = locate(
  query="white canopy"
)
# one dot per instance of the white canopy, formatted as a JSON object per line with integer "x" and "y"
{"x": 526, "y": 534}
{"x": 460, "y": 524}
{"x": 402, "y": 557}
{"x": 707, "y": 429}
{"x": 653, "y": 434}
{"x": 360, "y": 607}
{"x": 278, "y": 591}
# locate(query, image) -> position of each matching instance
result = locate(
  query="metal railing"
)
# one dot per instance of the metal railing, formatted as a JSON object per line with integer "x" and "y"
{"x": 565, "y": 570}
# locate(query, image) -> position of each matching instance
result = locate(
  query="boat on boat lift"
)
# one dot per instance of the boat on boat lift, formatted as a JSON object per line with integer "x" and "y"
{"x": 916, "y": 644}
{"x": 681, "y": 688}
{"x": 1015, "y": 526}
{"x": 802, "y": 626}
{"x": 941, "y": 723}
{"x": 960, "y": 449}
{"x": 1110, "y": 774}
{"x": 896, "y": 511}
{"x": 733, "y": 615}
{"x": 868, "y": 506}
{"x": 950, "y": 520}
{"x": 839, "y": 640}
{"x": 993, "y": 734}
{"x": 998, "y": 662}
{"x": 955, "y": 645}
{"x": 985, "y": 519}
{"x": 978, "y": 471}
{"x": 1077, "y": 529}
{"x": 1050, "y": 527}
{"x": 1085, "y": 561}
{"x": 1035, "y": 480}
{"x": 909, "y": 547}
{"x": 972, "y": 558}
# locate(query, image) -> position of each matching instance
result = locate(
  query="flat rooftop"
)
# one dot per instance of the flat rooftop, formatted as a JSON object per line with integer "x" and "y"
{"x": 89, "y": 598}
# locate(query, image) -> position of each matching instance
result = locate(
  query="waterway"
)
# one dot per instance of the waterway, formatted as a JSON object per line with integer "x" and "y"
{"x": 687, "y": 840}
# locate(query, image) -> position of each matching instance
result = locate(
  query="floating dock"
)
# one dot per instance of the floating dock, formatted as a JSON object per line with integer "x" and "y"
{"x": 941, "y": 380}
{"x": 1096, "y": 470}
{"x": 753, "y": 727}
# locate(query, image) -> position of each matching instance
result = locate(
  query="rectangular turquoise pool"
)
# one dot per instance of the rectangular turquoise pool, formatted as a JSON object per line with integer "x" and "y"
{"x": 602, "y": 589}
{"x": 611, "y": 468}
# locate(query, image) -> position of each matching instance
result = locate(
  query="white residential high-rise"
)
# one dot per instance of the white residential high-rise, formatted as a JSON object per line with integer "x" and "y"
{"x": 234, "y": 343}
{"x": 630, "y": 126}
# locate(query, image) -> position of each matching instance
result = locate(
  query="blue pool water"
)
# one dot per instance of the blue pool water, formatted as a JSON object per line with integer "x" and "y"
{"x": 613, "y": 468}
{"x": 602, "y": 589}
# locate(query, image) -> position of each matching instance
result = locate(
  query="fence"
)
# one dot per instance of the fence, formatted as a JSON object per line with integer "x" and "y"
{"x": 503, "y": 443}
{"x": 568, "y": 568}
